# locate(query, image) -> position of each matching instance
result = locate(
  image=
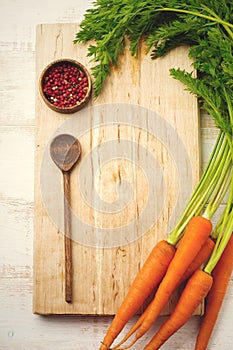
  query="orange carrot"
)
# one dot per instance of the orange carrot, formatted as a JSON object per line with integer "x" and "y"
{"x": 197, "y": 232}
{"x": 200, "y": 258}
{"x": 221, "y": 275}
{"x": 149, "y": 276}
{"x": 193, "y": 294}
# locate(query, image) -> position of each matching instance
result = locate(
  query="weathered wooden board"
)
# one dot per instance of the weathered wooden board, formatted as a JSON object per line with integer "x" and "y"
{"x": 140, "y": 162}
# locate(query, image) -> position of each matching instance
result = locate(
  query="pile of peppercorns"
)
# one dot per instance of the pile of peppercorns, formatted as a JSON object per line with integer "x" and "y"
{"x": 65, "y": 85}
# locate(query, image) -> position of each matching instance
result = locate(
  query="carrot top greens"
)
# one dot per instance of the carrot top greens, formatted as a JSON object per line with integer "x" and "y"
{"x": 207, "y": 27}
{"x": 163, "y": 25}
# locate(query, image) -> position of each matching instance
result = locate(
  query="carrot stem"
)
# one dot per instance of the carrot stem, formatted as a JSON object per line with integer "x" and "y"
{"x": 221, "y": 187}
{"x": 226, "y": 26}
{"x": 224, "y": 229}
{"x": 211, "y": 179}
{"x": 198, "y": 14}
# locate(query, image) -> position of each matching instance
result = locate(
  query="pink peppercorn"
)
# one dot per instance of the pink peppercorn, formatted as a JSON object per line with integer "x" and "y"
{"x": 65, "y": 85}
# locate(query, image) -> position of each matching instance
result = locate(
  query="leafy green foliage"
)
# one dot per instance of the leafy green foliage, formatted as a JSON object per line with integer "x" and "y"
{"x": 108, "y": 23}
{"x": 206, "y": 25}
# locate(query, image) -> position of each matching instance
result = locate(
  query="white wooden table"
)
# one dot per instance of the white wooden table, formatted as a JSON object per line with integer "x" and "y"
{"x": 19, "y": 328}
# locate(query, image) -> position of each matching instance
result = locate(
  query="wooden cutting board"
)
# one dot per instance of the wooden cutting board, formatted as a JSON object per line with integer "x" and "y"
{"x": 140, "y": 162}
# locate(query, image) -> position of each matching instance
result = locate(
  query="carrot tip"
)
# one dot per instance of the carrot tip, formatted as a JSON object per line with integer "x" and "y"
{"x": 107, "y": 347}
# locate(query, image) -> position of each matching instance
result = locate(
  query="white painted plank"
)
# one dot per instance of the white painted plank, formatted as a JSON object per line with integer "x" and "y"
{"x": 17, "y": 162}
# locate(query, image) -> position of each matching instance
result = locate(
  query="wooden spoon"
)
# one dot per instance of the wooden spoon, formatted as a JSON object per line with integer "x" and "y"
{"x": 65, "y": 151}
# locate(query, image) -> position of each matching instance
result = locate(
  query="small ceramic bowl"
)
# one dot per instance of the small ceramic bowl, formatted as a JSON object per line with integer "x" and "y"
{"x": 65, "y": 85}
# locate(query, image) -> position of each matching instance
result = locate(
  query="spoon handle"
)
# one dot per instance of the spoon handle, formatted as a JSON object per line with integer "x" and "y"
{"x": 67, "y": 237}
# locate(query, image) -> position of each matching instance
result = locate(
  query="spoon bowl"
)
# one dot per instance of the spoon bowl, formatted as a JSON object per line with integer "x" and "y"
{"x": 65, "y": 151}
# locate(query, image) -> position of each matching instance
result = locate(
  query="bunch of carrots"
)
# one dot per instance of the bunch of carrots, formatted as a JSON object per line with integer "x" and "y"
{"x": 195, "y": 254}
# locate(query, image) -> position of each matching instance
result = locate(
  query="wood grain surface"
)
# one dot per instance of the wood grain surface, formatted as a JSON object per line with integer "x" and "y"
{"x": 19, "y": 327}
{"x": 138, "y": 168}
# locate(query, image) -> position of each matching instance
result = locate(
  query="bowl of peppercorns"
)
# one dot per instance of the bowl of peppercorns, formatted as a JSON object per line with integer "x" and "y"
{"x": 65, "y": 85}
